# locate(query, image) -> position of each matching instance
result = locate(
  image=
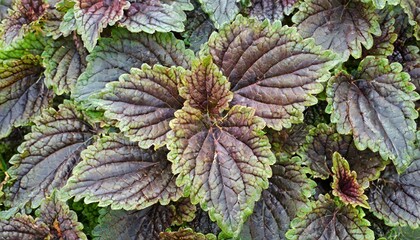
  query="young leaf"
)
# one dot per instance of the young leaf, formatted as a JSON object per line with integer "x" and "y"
{"x": 143, "y": 103}
{"x": 287, "y": 142}
{"x": 376, "y": 106}
{"x": 396, "y": 198}
{"x": 412, "y": 9}
{"x": 93, "y": 16}
{"x": 63, "y": 62}
{"x": 271, "y": 9}
{"x": 141, "y": 224}
{"x": 339, "y": 25}
{"x": 156, "y": 15}
{"x": 117, "y": 55}
{"x": 220, "y": 11}
{"x": 185, "y": 234}
{"x": 23, "y": 227}
{"x": 184, "y": 212}
{"x": 116, "y": 172}
{"x": 329, "y": 221}
{"x": 345, "y": 185}
{"x": 287, "y": 194}
{"x": 271, "y": 69}
{"x": 23, "y": 93}
{"x": 213, "y": 161}
{"x": 48, "y": 155}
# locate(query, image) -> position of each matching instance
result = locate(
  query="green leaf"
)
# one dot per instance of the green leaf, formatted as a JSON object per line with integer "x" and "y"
{"x": 345, "y": 185}
{"x": 116, "y": 172}
{"x": 184, "y": 212}
{"x": 156, "y": 15}
{"x": 31, "y": 44}
{"x": 411, "y": 64}
{"x": 23, "y": 93}
{"x": 117, "y": 55}
{"x": 143, "y": 103}
{"x": 220, "y": 11}
{"x": 380, "y": 4}
{"x": 396, "y": 198}
{"x": 412, "y": 9}
{"x": 271, "y": 69}
{"x": 340, "y": 25}
{"x": 376, "y": 106}
{"x": 212, "y": 159}
{"x": 329, "y": 221}
{"x": 271, "y": 9}
{"x": 93, "y": 16}
{"x": 63, "y": 62}
{"x": 287, "y": 195}
{"x": 48, "y": 155}
{"x": 68, "y": 24}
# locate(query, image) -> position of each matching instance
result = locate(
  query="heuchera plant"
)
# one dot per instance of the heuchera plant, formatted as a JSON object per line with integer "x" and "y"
{"x": 209, "y": 119}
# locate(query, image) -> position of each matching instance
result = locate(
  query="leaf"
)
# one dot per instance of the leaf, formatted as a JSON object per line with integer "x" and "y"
{"x": 363, "y": 105}
{"x": 287, "y": 194}
{"x": 213, "y": 161}
{"x": 396, "y": 198}
{"x": 51, "y": 21}
{"x": 220, "y": 11}
{"x": 93, "y": 16}
{"x": 23, "y": 93}
{"x": 117, "y": 55}
{"x": 411, "y": 64}
{"x": 202, "y": 223}
{"x": 271, "y": 69}
{"x": 271, "y": 9}
{"x": 345, "y": 185}
{"x": 63, "y": 62}
{"x": 185, "y": 234}
{"x": 143, "y": 103}
{"x": 4, "y": 6}
{"x": 31, "y": 44}
{"x": 141, "y": 224}
{"x": 285, "y": 143}
{"x": 116, "y": 172}
{"x": 340, "y": 25}
{"x": 48, "y": 155}
{"x": 328, "y": 221}
{"x": 184, "y": 212}
{"x": 323, "y": 141}
{"x": 68, "y": 24}
{"x": 412, "y": 9}
{"x": 156, "y": 15}
{"x": 22, "y": 227}
{"x": 205, "y": 88}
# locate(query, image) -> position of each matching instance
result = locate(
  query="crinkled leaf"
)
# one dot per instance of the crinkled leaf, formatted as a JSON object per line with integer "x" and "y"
{"x": 271, "y": 9}
{"x": 156, "y": 15}
{"x": 323, "y": 141}
{"x": 339, "y": 25}
{"x": 376, "y": 106}
{"x": 345, "y": 185}
{"x": 286, "y": 142}
{"x": 213, "y": 160}
{"x": 117, "y": 55}
{"x": 116, "y": 172}
{"x": 63, "y": 62}
{"x": 142, "y": 224}
{"x": 396, "y": 198}
{"x": 184, "y": 212}
{"x": 31, "y": 44}
{"x": 410, "y": 59}
{"x": 4, "y": 6}
{"x": 22, "y": 227}
{"x": 23, "y": 93}
{"x": 205, "y": 88}
{"x": 51, "y": 21}
{"x": 143, "y": 103}
{"x": 185, "y": 234}
{"x": 202, "y": 223}
{"x": 287, "y": 194}
{"x": 68, "y": 24}
{"x": 220, "y": 11}
{"x": 271, "y": 69}
{"x": 48, "y": 155}
{"x": 412, "y": 9}
{"x": 92, "y": 16}
{"x": 328, "y": 221}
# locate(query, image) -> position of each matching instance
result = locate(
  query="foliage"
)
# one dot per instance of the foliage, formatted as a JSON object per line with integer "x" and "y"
{"x": 202, "y": 119}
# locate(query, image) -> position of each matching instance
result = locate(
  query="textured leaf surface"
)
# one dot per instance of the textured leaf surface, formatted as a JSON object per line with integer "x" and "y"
{"x": 287, "y": 194}
{"x": 220, "y": 11}
{"x": 143, "y": 103}
{"x": 412, "y": 9}
{"x": 323, "y": 141}
{"x": 271, "y": 69}
{"x": 116, "y": 172}
{"x": 156, "y": 15}
{"x": 117, "y": 55}
{"x": 184, "y": 211}
{"x": 185, "y": 234}
{"x": 63, "y": 63}
{"x": 22, "y": 227}
{"x": 202, "y": 223}
{"x": 271, "y": 9}
{"x": 339, "y": 25}
{"x": 48, "y": 155}
{"x": 285, "y": 143}
{"x": 143, "y": 224}
{"x": 376, "y": 106}
{"x": 4, "y": 6}
{"x": 411, "y": 63}
{"x": 396, "y": 198}
{"x": 92, "y": 16}
{"x": 328, "y": 221}
{"x": 345, "y": 185}
{"x": 23, "y": 93}
{"x": 214, "y": 161}
{"x": 31, "y": 44}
